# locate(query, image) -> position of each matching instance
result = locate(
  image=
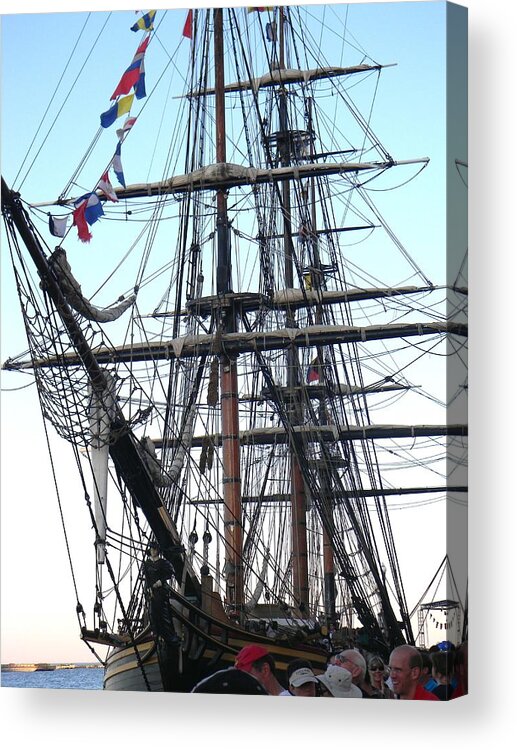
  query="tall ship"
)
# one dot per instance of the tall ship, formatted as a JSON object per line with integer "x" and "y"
{"x": 228, "y": 367}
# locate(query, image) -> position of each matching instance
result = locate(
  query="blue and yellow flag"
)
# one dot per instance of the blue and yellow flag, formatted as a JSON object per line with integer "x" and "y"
{"x": 119, "y": 108}
{"x": 145, "y": 23}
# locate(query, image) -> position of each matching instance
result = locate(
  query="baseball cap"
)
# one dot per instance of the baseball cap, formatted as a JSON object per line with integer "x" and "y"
{"x": 301, "y": 676}
{"x": 248, "y": 655}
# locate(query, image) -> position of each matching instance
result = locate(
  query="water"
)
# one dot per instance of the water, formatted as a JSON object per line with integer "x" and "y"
{"x": 65, "y": 679}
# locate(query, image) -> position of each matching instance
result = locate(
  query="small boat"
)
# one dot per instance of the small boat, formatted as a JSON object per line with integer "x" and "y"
{"x": 42, "y": 667}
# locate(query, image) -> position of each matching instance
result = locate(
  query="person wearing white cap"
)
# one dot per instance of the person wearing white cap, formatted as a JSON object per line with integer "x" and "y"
{"x": 303, "y": 682}
{"x": 337, "y": 683}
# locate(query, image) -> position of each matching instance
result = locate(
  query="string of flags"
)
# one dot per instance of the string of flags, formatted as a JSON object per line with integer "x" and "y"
{"x": 451, "y": 617}
{"x": 88, "y": 208}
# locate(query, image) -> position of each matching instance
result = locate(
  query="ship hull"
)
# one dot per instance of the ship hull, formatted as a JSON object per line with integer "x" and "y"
{"x": 207, "y": 645}
{"x": 134, "y": 668}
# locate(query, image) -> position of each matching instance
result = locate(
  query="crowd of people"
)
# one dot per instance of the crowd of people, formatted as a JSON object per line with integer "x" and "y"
{"x": 411, "y": 674}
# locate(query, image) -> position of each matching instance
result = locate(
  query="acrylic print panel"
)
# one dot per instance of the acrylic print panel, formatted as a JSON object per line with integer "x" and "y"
{"x": 238, "y": 267}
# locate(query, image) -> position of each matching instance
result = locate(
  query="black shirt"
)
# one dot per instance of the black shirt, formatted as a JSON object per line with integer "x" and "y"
{"x": 157, "y": 570}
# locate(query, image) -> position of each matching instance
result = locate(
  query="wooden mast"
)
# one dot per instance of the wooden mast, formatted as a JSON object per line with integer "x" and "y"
{"x": 329, "y": 580}
{"x": 227, "y": 363}
{"x": 298, "y": 497}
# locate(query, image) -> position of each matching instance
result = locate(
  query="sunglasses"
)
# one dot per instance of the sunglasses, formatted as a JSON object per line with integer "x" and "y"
{"x": 377, "y": 668}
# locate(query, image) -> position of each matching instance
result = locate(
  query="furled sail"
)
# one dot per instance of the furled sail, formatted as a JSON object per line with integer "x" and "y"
{"x": 102, "y": 410}
{"x": 74, "y": 296}
{"x": 291, "y": 75}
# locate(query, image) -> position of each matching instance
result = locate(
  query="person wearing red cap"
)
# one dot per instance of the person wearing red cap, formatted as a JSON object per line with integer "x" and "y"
{"x": 257, "y": 661}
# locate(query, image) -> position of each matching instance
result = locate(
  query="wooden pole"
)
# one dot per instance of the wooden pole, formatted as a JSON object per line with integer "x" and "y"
{"x": 227, "y": 364}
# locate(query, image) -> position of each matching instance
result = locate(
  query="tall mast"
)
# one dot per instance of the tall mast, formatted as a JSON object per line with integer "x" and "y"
{"x": 329, "y": 587}
{"x": 298, "y": 499}
{"x": 227, "y": 364}
{"x": 316, "y": 278}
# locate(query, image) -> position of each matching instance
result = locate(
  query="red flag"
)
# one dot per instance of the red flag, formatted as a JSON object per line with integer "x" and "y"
{"x": 88, "y": 209}
{"x": 81, "y": 223}
{"x": 313, "y": 371}
{"x": 187, "y": 29}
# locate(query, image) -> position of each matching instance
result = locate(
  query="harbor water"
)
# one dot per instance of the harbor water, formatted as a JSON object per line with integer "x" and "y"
{"x": 65, "y": 679}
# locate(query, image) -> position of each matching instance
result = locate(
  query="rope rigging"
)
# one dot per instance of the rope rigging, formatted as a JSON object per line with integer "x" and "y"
{"x": 173, "y": 406}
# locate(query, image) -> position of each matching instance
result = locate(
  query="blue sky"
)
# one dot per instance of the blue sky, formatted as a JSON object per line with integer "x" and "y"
{"x": 410, "y": 123}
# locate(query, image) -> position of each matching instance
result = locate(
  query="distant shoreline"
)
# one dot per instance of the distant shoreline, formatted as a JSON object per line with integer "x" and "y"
{"x": 47, "y": 667}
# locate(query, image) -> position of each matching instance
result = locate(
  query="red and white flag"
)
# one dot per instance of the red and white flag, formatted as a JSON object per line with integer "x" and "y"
{"x": 105, "y": 185}
{"x": 126, "y": 127}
